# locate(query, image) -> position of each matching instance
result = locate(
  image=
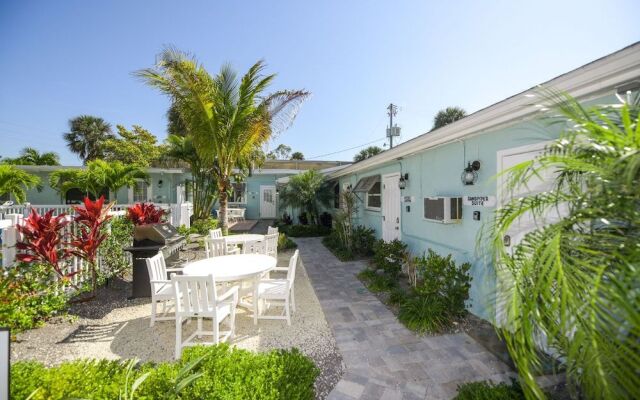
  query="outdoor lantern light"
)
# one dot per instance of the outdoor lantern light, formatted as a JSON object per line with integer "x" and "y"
{"x": 402, "y": 183}
{"x": 470, "y": 174}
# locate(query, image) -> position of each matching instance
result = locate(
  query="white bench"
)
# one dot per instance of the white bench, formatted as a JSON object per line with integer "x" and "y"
{"x": 233, "y": 214}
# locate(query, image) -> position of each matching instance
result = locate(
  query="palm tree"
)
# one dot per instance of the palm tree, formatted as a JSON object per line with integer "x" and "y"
{"x": 297, "y": 155}
{"x": 367, "y": 153}
{"x": 14, "y": 182}
{"x": 575, "y": 279}
{"x": 86, "y": 136}
{"x": 228, "y": 118}
{"x": 447, "y": 116}
{"x": 98, "y": 177}
{"x": 307, "y": 192}
{"x": 31, "y": 156}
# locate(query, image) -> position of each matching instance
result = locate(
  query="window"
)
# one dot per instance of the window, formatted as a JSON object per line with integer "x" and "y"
{"x": 374, "y": 197}
{"x": 238, "y": 193}
{"x": 140, "y": 192}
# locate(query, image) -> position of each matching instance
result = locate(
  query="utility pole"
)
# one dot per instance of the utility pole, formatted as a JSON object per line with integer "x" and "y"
{"x": 392, "y": 131}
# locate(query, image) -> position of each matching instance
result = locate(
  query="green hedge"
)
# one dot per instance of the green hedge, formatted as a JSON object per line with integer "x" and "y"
{"x": 305, "y": 230}
{"x": 226, "y": 374}
{"x": 487, "y": 391}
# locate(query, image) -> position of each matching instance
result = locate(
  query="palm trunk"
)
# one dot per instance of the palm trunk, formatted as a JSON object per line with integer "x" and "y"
{"x": 222, "y": 213}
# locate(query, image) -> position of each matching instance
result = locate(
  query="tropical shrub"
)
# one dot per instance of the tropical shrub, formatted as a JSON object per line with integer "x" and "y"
{"x": 284, "y": 243}
{"x": 203, "y": 226}
{"x": 363, "y": 241}
{"x": 574, "y": 280}
{"x": 347, "y": 244}
{"x": 307, "y": 191}
{"x": 42, "y": 241}
{"x": 145, "y": 213}
{"x": 14, "y": 182}
{"x": 120, "y": 233}
{"x": 306, "y": 230}
{"x": 422, "y": 313}
{"x": 440, "y": 277}
{"x": 30, "y": 296}
{"x": 220, "y": 373}
{"x": 484, "y": 390}
{"x": 390, "y": 256}
{"x": 91, "y": 219}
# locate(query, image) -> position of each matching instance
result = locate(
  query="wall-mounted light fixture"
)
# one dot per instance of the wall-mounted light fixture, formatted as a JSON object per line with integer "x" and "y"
{"x": 470, "y": 173}
{"x": 402, "y": 183}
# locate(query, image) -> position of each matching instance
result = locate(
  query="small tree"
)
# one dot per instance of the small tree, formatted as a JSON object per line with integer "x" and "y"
{"x": 281, "y": 152}
{"x": 447, "y": 116}
{"x": 91, "y": 218}
{"x": 31, "y": 156}
{"x": 134, "y": 147}
{"x": 297, "y": 156}
{"x": 86, "y": 137}
{"x": 307, "y": 191}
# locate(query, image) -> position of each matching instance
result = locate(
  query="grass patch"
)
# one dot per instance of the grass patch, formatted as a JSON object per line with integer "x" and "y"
{"x": 488, "y": 391}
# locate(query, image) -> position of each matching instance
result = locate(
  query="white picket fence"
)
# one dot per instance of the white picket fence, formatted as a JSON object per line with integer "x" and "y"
{"x": 179, "y": 214}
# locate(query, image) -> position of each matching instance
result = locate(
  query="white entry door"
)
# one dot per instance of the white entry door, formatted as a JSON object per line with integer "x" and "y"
{"x": 390, "y": 207}
{"x": 267, "y": 202}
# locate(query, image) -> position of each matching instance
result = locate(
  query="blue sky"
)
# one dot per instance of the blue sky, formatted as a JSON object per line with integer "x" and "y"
{"x": 60, "y": 59}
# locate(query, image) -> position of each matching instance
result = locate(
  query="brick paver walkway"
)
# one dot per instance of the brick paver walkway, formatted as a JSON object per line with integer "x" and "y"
{"x": 383, "y": 359}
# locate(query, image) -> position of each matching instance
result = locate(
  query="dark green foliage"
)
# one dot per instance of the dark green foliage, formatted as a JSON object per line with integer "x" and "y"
{"x": 29, "y": 297}
{"x": 397, "y": 296}
{"x": 424, "y": 313}
{"x": 305, "y": 230}
{"x": 362, "y": 243}
{"x": 487, "y": 391}
{"x": 447, "y": 116}
{"x": 440, "y": 277}
{"x": 284, "y": 243}
{"x": 111, "y": 250}
{"x": 200, "y": 226}
{"x": 390, "y": 256}
{"x": 226, "y": 374}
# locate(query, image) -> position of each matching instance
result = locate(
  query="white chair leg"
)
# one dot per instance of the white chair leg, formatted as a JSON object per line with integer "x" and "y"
{"x": 216, "y": 330}
{"x": 232, "y": 323}
{"x": 293, "y": 300}
{"x": 286, "y": 308}
{"x": 256, "y": 302}
{"x": 178, "y": 337}
{"x": 199, "y": 327}
{"x": 153, "y": 312}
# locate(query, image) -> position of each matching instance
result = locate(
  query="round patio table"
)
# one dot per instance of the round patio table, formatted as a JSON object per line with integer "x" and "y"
{"x": 243, "y": 238}
{"x": 232, "y": 267}
{"x": 240, "y": 267}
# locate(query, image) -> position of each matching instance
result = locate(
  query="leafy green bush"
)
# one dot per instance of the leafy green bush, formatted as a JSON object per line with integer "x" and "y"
{"x": 333, "y": 243}
{"x": 363, "y": 241}
{"x": 305, "y": 230}
{"x": 440, "y": 277}
{"x": 487, "y": 391}
{"x": 227, "y": 373}
{"x": 424, "y": 313}
{"x": 390, "y": 256}
{"x": 111, "y": 250}
{"x": 397, "y": 296}
{"x": 30, "y": 296}
{"x": 284, "y": 243}
{"x": 199, "y": 226}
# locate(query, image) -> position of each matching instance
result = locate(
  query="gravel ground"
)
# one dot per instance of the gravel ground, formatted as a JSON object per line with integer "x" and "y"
{"x": 113, "y": 327}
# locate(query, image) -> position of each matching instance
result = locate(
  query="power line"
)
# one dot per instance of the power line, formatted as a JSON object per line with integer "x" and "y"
{"x": 350, "y": 148}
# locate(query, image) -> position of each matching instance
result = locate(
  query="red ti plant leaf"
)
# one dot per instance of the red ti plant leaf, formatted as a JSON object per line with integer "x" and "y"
{"x": 144, "y": 213}
{"x": 41, "y": 241}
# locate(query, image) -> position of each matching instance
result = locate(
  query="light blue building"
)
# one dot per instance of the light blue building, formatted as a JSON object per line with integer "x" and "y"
{"x": 417, "y": 191}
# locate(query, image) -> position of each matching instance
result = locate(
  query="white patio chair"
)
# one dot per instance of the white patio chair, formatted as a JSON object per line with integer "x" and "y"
{"x": 215, "y": 233}
{"x": 271, "y": 230}
{"x": 277, "y": 290}
{"x": 254, "y": 247}
{"x": 271, "y": 245}
{"x": 215, "y": 247}
{"x": 161, "y": 289}
{"x": 196, "y": 297}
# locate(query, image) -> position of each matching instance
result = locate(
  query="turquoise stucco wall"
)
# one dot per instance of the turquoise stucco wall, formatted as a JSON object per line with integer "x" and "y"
{"x": 436, "y": 172}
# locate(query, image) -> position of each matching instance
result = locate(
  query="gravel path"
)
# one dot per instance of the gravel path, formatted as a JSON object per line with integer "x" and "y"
{"x": 113, "y": 327}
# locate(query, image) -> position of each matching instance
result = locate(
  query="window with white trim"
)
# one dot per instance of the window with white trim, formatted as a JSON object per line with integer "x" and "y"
{"x": 374, "y": 197}
{"x": 140, "y": 191}
{"x": 238, "y": 194}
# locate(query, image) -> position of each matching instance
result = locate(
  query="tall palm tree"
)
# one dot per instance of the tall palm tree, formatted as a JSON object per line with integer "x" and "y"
{"x": 228, "y": 118}
{"x": 447, "y": 116}
{"x": 307, "y": 192}
{"x": 366, "y": 153}
{"x": 31, "y": 156}
{"x": 86, "y": 136}
{"x": 14, "y": 181}
{"x": 574, "y": 280}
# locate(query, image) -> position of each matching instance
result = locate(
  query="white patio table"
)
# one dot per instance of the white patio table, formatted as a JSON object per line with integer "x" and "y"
{"x": 243, "y": 238}
{"x": 240, "y": 267}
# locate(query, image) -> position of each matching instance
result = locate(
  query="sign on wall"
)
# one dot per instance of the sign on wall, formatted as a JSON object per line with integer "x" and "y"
{"x": 479, "y": 201}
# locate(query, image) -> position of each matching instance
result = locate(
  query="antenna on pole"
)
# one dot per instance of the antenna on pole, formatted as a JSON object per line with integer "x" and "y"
{"x": 392, "y": 130}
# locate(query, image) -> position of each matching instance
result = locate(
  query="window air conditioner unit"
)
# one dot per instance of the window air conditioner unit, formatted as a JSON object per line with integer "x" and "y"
{"x": 445, "y": 210}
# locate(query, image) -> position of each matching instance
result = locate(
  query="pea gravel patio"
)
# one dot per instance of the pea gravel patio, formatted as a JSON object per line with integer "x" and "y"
{"x": 383, "y": 359}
